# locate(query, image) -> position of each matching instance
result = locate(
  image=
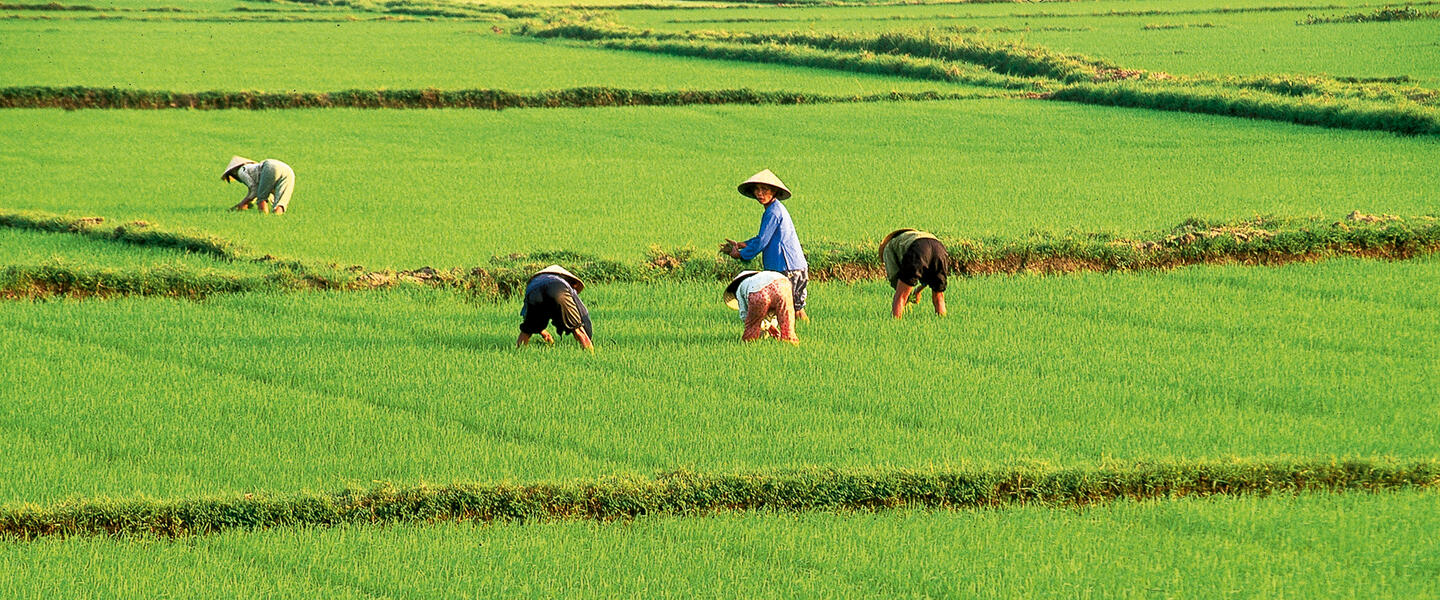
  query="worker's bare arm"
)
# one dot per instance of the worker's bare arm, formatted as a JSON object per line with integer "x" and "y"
{"x": 584, "y": 339}
{"x": 902, "y": 296}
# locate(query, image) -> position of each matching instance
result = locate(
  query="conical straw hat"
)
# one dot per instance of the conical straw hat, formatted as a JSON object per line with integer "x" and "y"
{"x": 559, "y": 270}
{"x": 729, "y": 295}
{"x": 891, "y": 237}
{"x": 235, "y": 163}
{"x": 767, "y": 178}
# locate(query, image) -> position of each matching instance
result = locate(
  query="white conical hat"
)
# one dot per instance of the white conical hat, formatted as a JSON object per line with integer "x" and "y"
{"x": 559, "y": 270}
{"x": 235, "y": 163}
{"x": 767, "y": 178}
{"x": 729, "y": 295}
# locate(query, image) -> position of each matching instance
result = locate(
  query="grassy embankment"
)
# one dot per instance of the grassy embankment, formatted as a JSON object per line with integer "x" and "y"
{"x": 107, "y": 54}
{"x": 692, "y": 494}
{"x": 40, "y": 265}
{"x": 1379, "y": 15}
{"x": 1308, "y": 100}
{"x": 1376, "y": 546}
{"x": 1258, "y": 39}
{"x": 73, "y": 98}
{"x": 1257, "y": 242}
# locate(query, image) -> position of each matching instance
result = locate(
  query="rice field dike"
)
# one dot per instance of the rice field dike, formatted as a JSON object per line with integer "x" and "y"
{"x": 1190, "y": 349}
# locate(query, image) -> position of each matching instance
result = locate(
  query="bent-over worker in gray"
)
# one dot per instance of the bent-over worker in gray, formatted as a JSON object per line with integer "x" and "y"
{"x": 553, "y": 296}
{"x": 777, "y": 242}
{"x": 264, "y": 180}
{"x": 914, "y": 259}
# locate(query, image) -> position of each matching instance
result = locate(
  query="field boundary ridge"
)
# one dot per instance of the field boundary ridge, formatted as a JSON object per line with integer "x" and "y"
{"x": 61, "y": 278}
{"x": 687, "y": 493}
{"x": 1387, "y": 13}
{"x": 81, "y": 97}
{"x": 935, "y": 55}
{"x": 1266, "y": 241}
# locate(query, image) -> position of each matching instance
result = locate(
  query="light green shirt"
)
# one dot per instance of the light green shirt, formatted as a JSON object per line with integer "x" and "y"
{"x": 895, "y": 252}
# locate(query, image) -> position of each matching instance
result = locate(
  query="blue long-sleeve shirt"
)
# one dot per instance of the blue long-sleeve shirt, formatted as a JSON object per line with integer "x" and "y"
{"x": 776, "y": 241}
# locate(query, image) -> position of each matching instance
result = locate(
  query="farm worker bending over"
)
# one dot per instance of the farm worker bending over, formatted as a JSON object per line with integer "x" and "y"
{"x": 553, "y": 295}
{"x": 776, "y": 242}
{"x": 913, "y": 260}
{"x": 766, "y": 304}
{"x": 264, "y": 179}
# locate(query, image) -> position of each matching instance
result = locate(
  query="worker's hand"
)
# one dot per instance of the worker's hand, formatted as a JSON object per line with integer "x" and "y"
{"x": 545, "y": 335}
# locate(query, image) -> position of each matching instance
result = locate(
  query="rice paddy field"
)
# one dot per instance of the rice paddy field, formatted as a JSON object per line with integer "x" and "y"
{"x": 965, "y": 167}
{"x": 1182, "y": 36}
{"x": 197, "y": 403}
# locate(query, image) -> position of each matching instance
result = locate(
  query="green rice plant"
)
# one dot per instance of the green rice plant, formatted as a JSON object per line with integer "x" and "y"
{"x": 906, "y": 54}
{"x": 108, "y": 55}
{"x": 60, "y": 279}
{"x": 230, "y": 269}
{"x": 860, "y": 62}
{"x": 1407, "y": 118}
{"x": 1311, "y": 545}
{"x": 321, "y": 391}
{"x": 430, "y": 8}
{"x": 1008, "y": 59}
{"x": 41, "y": 265}
{"x": 1398, "y": 49}
{"x": 138, "y": 233}
{"x": 469, "y": 193}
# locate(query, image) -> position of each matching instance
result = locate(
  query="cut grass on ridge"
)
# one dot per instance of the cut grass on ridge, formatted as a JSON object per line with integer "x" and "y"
{"x": 689, "y": 494}
{"x": 935, "y": 56}
{"x": 1258, "y": 241}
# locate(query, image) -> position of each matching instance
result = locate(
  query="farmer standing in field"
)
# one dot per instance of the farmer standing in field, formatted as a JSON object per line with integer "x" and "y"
{"x": 766, "y": 304}
{"x": 914, "y": 259}
{"x": 264, "y": 179}
{"x": 776, "y": 242}
{"x": 553, "y": 296}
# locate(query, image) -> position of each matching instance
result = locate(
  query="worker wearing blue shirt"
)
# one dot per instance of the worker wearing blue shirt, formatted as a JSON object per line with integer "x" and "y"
{"x": 776, "y": 244}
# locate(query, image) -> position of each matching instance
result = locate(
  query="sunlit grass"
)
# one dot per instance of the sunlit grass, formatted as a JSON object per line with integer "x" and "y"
{"x": 327, "y": 57}
{"x": 1358, "y": 545}
{"x": 313, "y": 391}
{"x": 614, "y": 181}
